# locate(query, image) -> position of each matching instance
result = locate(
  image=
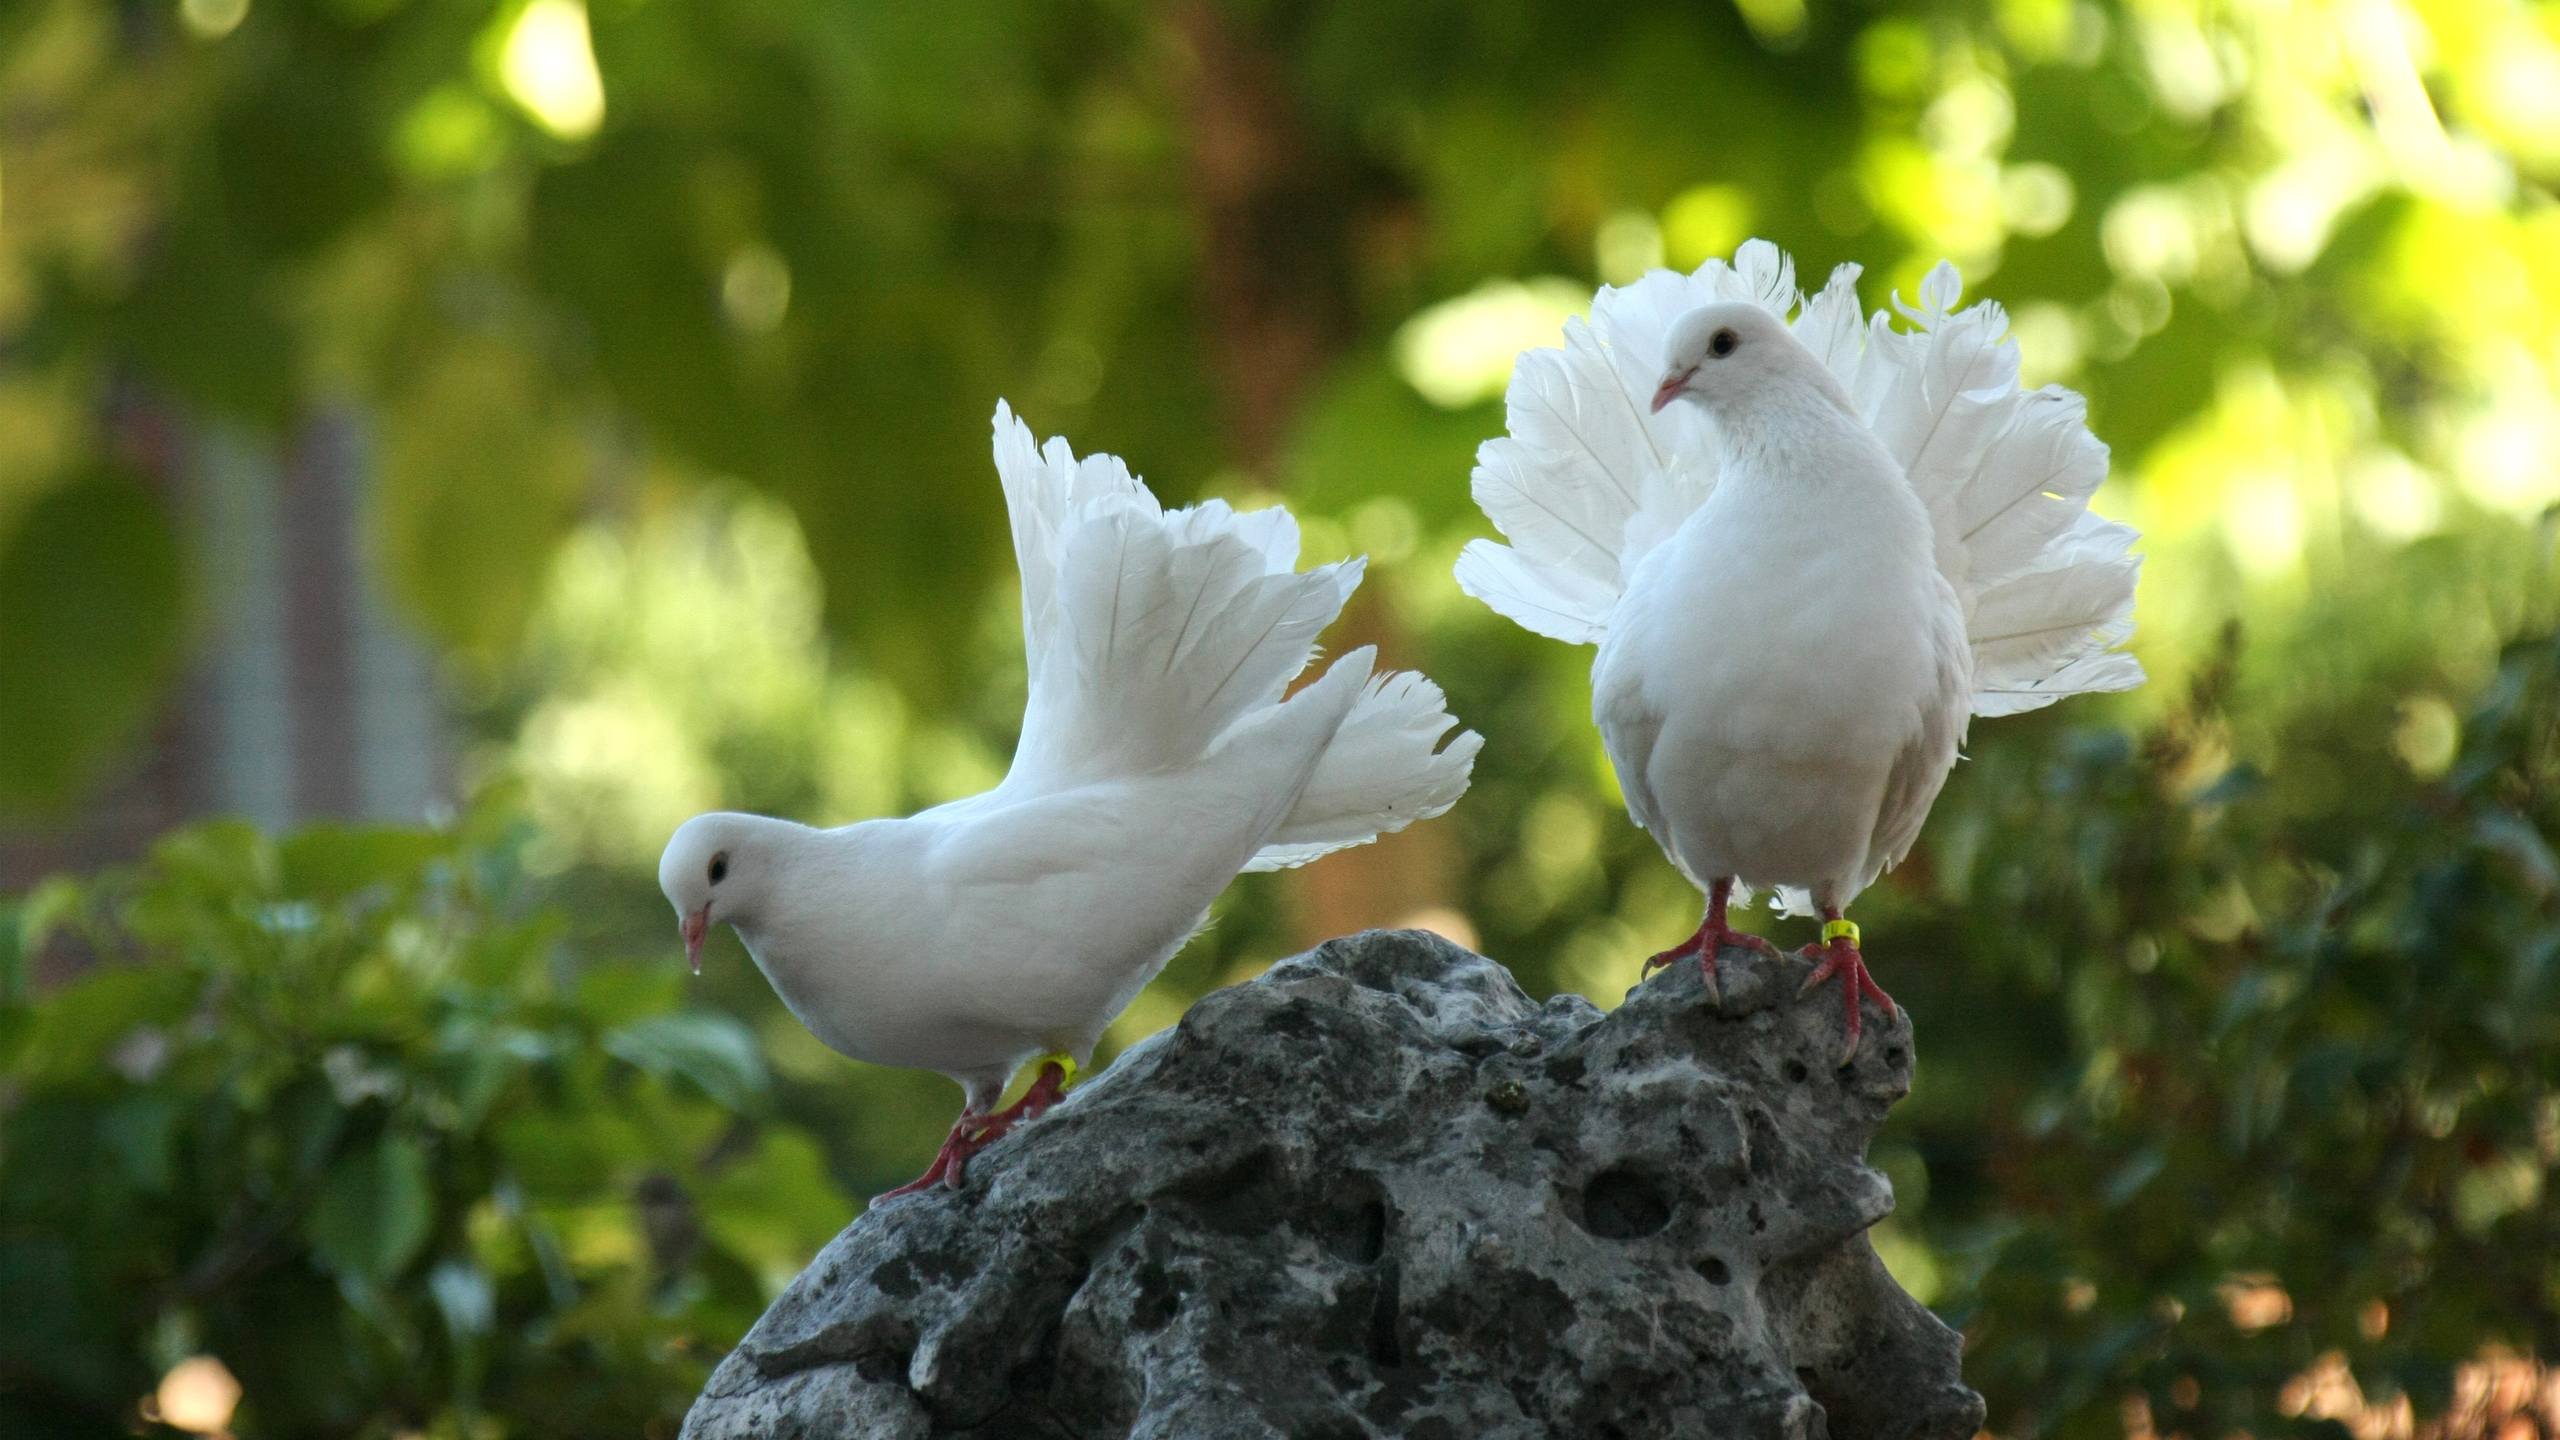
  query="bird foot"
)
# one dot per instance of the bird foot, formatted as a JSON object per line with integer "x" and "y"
{"x": 956, "y": 1149}
{"x": 1712, "y": 935}
{"x": 1840, "y": 957}
{"x": 973, "y": 1133}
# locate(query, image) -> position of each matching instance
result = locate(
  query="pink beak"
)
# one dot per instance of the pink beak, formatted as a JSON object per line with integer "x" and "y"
{"x": 1670, "y": 389}
{"x": 692, "y": 928}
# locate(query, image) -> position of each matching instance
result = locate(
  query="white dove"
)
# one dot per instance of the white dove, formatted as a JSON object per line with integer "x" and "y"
{"x": 1157, "y": 759}
{"x": 1806, "y": 579}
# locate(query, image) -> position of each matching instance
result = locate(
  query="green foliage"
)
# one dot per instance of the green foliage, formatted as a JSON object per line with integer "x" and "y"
{"x": 2238, "y": 1047}
{"x": 342, "y": 1112}
{"x": 89, "y": 628}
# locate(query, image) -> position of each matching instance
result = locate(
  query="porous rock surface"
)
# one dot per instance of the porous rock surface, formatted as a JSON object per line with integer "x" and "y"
{"x": 1379, "y": 1192}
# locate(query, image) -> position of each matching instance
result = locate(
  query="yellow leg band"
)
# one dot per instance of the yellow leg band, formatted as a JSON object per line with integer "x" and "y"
{"x": 1029, "y": 1075}
{"x": 1834, "y": 929}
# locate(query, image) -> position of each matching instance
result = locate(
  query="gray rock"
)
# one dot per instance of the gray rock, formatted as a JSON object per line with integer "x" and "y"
{"x": 1378, "y": 1192}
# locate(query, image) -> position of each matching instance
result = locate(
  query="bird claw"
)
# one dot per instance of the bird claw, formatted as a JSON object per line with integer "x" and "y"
{"x": 1706, "y": 954}
{"x": 1841, "y": 958}
{"x": 946, "y": 1169}
{"x": 950, "y": 1168}
{"x": 1710, "y": 938}
{"x": 972, "y": 1133}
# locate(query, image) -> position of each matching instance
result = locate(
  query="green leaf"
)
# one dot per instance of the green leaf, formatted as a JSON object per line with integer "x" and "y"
{"x": 87, "y": 1019}
{"x": 716, "y": 1053}
{"x": 774, "y": 1206}
{"x": 331, "y": 862}
{"x": 140, "y": 1130}
{"x": 214, "y": 866}
{"x": 373, "y": 1210}
{"x": 567, "y": 1156}
{"x": 476, "y": 1060}
{"x": 54, "y": 905}
{"x": 89, "y": 628}
{"x": 613, "y": 995}
{"x": 479, "y": 477}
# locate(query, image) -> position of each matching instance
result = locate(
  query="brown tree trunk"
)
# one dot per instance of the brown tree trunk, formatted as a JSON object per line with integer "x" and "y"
{"x": 1277, "y": 298}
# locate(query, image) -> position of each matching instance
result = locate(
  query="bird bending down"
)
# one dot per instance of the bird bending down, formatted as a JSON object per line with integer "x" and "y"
{"x": 1809, "y": 551}
{"x": 1158, "y": 758}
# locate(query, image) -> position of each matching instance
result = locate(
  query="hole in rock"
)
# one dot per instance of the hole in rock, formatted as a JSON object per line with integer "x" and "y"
{"x": 1371, "y": 1242}
{"x": 888, "y": 1364}
{"x": 1352, "y": 1223}
{"x": 1038, "y": 1371}
{"x": 1796, "y": 1073}
{"x": 1386, "y": 1347}
{"x": 1159, "y": 1300}
{"x": 1760, "y": 1132}
{"x": 1715, "y": 1271}
{"x": 1350, "y": 1218}
{"x": 1620, "y": 1204}
{"x": 1247, "y": 1196}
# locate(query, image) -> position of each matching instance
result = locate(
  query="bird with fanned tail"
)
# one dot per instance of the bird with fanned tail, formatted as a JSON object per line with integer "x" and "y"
{"x": 1810, "y": 545}
{"x": 1158, "y": 758}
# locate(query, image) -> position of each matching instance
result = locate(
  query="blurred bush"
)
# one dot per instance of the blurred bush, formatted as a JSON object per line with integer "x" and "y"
{"x": 2244, "y": 1089}
{"x": 339, "y": 1112}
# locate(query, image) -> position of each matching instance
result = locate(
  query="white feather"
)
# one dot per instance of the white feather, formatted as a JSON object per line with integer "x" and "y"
{"x": 1557, "y": 603}
{"x": 1797, "y": 612}
{"x": 2025, "y": 629}
{"x": 1158, "y": 758}
{"x": 1587, "y": 482}
{"x": 1380, "y": 774}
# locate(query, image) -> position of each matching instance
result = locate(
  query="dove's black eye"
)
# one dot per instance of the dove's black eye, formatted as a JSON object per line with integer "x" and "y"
{"x": 719, "y": 867}
{"x": 1722, "y": 343}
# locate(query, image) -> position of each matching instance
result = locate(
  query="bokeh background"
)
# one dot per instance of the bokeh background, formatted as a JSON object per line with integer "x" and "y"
{"x": 445, "y": 443}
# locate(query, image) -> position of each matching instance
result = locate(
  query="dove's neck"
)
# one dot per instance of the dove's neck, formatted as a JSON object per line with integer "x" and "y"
{"x": 828, "y": 922}
{"x": 1797, "y": 464}
{"x": 1807, "y": 439}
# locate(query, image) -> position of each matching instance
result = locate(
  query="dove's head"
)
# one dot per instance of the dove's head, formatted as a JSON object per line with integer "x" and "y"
{"x": 1727, "y": 355}
{"x": 715, "y": 870}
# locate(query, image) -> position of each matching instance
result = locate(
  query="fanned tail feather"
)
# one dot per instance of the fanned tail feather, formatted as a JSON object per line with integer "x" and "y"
{"x": 1149, "y": 634}
{"x": 2007, "y": 475}
{"x": 2054, "y": 631}
{"x": 1381, "y": 773}
{"x": 1588, "y": 480}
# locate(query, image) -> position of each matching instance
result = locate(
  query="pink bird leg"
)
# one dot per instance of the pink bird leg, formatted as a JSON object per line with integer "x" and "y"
{"x": 974, "y": 1132}
{"x": 1839, "y": 955}
{"x": 1712, "y": 935}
